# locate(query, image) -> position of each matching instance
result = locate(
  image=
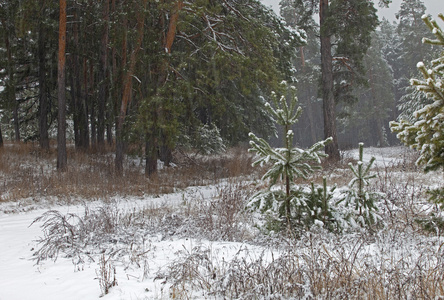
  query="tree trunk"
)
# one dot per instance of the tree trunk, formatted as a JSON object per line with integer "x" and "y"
{"x": 103, "y": 87}
{"x": 329, "y": 107}
{"x": 127, "y": 88}
{"x": 43, "y": 89}
{"x": 88, "y": 78}
{"x": 15, "y": 115}
{"x": 150, "y": 155}
{"x": 78, "y": 96}
{"x": 109, "y": 129}
{"x": 152, "y": 138}
{"x": 10, "y": 85}
{"x": 1, "y": 138}
{"x": 61, "y": 130}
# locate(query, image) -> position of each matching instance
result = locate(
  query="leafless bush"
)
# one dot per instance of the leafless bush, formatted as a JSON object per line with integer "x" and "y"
{"x": 222, "y": 217}
{"x": 61, "y": 234}
{"x": 79, "y": 237}
{"x": 106, "y": 274}
{"x": 190, "y": 271}
{"x": 386, "y": 266}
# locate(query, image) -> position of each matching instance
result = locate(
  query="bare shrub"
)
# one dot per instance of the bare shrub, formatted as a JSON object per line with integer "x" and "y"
{"x": 61, "y": 234}
{"x": 385, "y": 266}
{"x": 78, "y": 237}
{"x": 222, "y": 217}
{"x": 190, "y": 271}
{"x": 106, "y": 274}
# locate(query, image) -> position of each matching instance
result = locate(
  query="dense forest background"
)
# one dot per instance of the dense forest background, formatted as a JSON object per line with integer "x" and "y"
{"x": 153, "y": 77}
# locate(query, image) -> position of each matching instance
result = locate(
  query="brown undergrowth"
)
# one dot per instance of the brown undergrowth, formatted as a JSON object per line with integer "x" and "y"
{"x": 26, "y": 171}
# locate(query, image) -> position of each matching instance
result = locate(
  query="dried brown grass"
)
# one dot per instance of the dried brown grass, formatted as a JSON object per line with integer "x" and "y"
{"x": 26, "y": 171}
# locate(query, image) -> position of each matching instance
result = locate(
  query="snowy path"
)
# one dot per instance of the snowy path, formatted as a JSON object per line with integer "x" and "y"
{"x": 384, "y": 156}
{"x": 21, "y": 279}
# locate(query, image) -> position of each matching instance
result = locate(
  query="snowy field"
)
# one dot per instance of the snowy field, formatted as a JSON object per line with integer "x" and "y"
{"x": 154, "y": 251}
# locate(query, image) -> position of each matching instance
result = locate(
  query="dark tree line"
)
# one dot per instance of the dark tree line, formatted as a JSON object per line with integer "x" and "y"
{"x": 151, "y": 73}
{"x": 167, "y": 74}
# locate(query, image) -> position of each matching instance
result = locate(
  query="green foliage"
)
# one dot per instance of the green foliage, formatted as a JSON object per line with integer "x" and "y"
{"x": 351, "y": 23}
{"x": 426, "y": 132}
{"x": 411, "y": 31}
{"x": 319, "y": 210}
{"x": 287, "y": 164}
{"x": 432, "y": 223}
{"x": 205, "y": 140}
{"x": 361, "y": 200}
{"x": 437, "y": 196}
{"x": 309, "y": 207}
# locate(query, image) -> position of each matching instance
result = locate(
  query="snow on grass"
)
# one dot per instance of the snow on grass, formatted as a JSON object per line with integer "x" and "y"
{"x": 165, "y": 252}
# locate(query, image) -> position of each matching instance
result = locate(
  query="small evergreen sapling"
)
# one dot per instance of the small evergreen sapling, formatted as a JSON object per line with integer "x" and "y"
{"x": 318, "y": 203}
{"x": 362, "y": 201}
{"x": 287, "y": 163}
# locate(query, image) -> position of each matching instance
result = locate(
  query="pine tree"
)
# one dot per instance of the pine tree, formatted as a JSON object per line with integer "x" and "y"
{"x": 361, "y": 200}
{"x": 426, "y": 132}
{"x": 345, "y": 28}
{"x": 288, "y": 163}
{"x": 411, "y": 29}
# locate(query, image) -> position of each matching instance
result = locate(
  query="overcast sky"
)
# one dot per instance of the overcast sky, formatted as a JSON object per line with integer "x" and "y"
{"x": 433, "y": 7}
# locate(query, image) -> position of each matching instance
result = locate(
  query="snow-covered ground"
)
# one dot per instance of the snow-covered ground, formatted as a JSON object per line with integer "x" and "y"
{"x": 21, "y": 278}
{"x": 141, "y": 278}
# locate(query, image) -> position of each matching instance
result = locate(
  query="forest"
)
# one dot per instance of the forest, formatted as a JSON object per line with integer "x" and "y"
{"x": 156, "y": 77}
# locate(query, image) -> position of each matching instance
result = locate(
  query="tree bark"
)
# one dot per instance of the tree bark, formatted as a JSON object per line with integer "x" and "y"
{"x": 88, "y": 78}
{"x": 155, "y": 139}
{"x": 15, "y": 115}
{"x": 150, "y": 155}
{"x": 103, "y": 70}
{"x": 1, "y": 138}
{"x": 43, "y": 87}
{"x": 61, "y": 117}
{"x": 79, "y": 97}
{"x": 329, "y": 107}
{"x": 10, "y": 84}
{"x": 127, "y": 89}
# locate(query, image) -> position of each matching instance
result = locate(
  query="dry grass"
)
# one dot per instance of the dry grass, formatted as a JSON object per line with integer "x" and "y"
{"x": 28, "y": 172}
{"x": 400, "y": 260}
{"x": 317, "y": 266}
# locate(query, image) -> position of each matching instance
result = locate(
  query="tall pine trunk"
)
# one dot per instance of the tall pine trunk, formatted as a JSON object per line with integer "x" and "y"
{"x": 61, "y": 117}
{"x": 43, "y": 88}
{"x": 103, "y": 70}
{"x": 10, "y": 85}
{"x": 15, "y": 115}
{"x": 79, "y": 96}
{"x": 155, "y": 139}
{"x": 127, "y": 88}
{"x": 329, "y": 107}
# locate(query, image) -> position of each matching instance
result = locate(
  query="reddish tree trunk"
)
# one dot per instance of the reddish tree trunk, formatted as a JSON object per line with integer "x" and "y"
{"x": 127, "y": 87}
{"x": 61, "y": 130}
